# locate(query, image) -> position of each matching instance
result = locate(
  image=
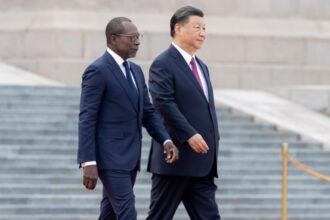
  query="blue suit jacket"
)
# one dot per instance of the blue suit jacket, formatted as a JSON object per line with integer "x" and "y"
{"x": 111, "y": 116}
{"x": 182, "y": 104}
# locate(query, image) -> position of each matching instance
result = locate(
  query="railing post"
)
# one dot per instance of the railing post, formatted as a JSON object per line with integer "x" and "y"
{"x": 284, "y": 179}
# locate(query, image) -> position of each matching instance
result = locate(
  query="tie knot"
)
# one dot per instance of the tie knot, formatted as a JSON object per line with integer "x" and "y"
{"x": 193, "y": 61}
{"x": 125, "y": 63}
{"x": 127, "y": 69}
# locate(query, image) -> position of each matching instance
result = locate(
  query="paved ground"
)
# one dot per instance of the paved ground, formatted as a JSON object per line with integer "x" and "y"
{"x": 11, "y": 75}
{"x": 283, "y": 113}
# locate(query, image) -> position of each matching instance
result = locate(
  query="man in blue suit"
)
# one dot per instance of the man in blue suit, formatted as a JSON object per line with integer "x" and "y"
{"x": 181, "y": 90}
{"x": 114, "y": 106}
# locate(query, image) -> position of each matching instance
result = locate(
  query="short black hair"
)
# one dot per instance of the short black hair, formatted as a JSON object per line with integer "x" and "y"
{"x": 115, "y": 27}
{"x": 182, "y": 15}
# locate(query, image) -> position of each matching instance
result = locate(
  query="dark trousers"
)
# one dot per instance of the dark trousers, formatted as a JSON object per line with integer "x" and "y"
{"x": 196, "y": 193}
{"x": 118, "y": 202}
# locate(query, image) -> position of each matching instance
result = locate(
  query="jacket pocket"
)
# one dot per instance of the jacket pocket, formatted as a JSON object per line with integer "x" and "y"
{"x": 116, "y": 134}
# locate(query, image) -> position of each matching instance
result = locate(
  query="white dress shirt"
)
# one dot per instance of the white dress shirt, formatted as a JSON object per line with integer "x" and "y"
{"x": 120, "y": 62}
{"x": 187, "y": 57}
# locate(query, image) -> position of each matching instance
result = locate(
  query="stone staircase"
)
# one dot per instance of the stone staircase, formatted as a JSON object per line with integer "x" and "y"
{"x": 40, "y": 179}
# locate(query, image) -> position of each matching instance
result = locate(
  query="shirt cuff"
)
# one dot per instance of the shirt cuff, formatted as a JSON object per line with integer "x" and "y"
{"x": 88, "y": 163}
{"x": 166, "y": 141}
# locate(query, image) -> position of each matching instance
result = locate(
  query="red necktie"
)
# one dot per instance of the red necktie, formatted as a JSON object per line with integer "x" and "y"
{"x": 195, "y": 72}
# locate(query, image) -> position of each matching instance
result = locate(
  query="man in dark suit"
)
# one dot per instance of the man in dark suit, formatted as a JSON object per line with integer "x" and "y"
{"x": 181, "y": 90}
{"x": 114, "y": 107}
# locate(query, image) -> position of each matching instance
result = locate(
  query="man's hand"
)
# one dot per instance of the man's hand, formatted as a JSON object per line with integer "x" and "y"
{"x": 90, "y": 176}
{"x": 198, "y": 144}
{"x": 171, "y": 151}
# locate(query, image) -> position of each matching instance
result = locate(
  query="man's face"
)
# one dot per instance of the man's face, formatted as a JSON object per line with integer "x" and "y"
{"x": 127, "y": 43}
{"x": 191, "y": 34}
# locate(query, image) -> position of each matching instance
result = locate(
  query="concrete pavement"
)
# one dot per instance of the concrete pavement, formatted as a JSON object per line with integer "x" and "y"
{"x": 11, "y": 75}
{"x": 283, "y": 113}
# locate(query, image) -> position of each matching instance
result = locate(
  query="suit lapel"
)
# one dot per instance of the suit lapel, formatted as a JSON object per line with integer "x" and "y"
{"x": 207, "y": 79}
{"x": 138, "y": 82}
{"x": 134, "y": 71}
{"x": 116, "y": 71}
{"x": 182, "y": 64}
{"x": 210, "y": 89}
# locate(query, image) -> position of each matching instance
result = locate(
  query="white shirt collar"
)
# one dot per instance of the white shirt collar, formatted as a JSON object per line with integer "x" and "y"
{"x": 116, "y": 57}
{"x": 186, "y": 56}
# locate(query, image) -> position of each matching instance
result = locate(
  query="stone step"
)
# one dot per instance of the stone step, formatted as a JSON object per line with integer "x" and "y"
{"x": 225, "y": 149}
{"x": 244, "y": 126}
{"x": 11, "y": 110}
{"x": 8, "y": 117}
{"x": 224, "y": 171}
{"x": 9, "y": 103}
{"x": 40, "y": 141}
{"x": 257, "y": 135}
{"x": 176, "y": 217}
{"x": 238, "y": 168}
{"x": 61, "y": 128}
{"x": 68, "y": 107}
{"x": 72, "y": 131}
{"x": 54, "y": 141}
{"x": 87, "y": 209}
{"x": 143, "y": 177}
{"x": 69, "y": 152}
{"x": 69, "y": 135}
{"x": 72, "y": 139}
{"x": 265, "y": 145}
{"x": 73, "y": 117}
{"x": 146, "y": 147}
{"x": 30, "y": 160}
{"x": 85, "y": 199}
{"x": 39, "y": 131}
{"x": 52, "y": 110}
{"x": 237, "y": 121}
{"x": 309, "y": 182}
{"x": 36, "y": 104}
{"x": 40, "y": 91}
{"x": 220, "y": 111}
{"x": 50, "y": 217}
{"x": 35, "y": 98}
{"x": 275, "y": 216}
{"x": 21, "y": 188}
{"x": 223, "y": 145}
{"x": 58, "y": 124}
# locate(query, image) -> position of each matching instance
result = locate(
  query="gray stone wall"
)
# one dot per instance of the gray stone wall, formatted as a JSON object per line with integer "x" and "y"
{"x": 312, "y": 9}
{"x": 250, "y": 43}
